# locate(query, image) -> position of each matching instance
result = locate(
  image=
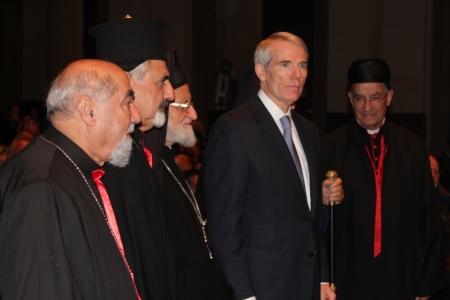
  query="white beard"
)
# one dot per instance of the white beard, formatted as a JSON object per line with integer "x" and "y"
{"x": 122, "y": 153}
{"x": 160, "y": 119}
{"x": 183, "y": 135}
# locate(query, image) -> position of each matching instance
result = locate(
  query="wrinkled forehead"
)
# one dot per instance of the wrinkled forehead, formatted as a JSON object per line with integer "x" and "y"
{"x": 287, "y": 50}
{"x": 159, "y": 67}
{"x": 123, "y": 79}
{"x": 282, "y": 44}
{"x": 182, "y": 94}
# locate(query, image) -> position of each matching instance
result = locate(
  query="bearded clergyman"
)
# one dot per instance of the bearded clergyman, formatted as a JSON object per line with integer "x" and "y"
{"x": 58, "y": 233}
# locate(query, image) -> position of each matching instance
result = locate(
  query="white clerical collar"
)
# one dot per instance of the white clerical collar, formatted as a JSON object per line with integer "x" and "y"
{"x": 374, "y": 131}
{"x": 273, "y": 109}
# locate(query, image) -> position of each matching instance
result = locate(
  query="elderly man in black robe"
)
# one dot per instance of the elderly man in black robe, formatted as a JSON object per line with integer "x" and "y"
{"x": 58, "y": 238}
{"x": 205, "y": 278}
{"x": 137, "y": 46}
{"x": 387, "y": 237}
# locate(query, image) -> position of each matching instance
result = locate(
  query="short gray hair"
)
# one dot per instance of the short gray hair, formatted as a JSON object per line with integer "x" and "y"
{"x": 138, "y": 73}
{"x": 350, "y": 87}
{"x": 70, "y": 84}
{"x": 263, "y": 53}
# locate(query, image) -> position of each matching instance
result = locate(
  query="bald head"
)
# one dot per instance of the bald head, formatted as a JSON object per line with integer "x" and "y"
{"x": 93, "y": 78}
{"x": 91, "y": 102}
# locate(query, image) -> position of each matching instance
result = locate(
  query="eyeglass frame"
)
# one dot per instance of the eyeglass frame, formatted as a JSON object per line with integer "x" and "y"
{"x": 372, "y": 99}
{"x": 185, "y": 106}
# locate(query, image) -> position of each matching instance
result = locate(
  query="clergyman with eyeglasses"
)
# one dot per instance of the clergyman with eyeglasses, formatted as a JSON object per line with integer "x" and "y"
{"x": 387, "y": 241}
{"x": 204, "y": 276}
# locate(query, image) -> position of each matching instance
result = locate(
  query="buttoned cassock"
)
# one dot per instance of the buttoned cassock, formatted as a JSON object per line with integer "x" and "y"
{"x": 411, "y": 261}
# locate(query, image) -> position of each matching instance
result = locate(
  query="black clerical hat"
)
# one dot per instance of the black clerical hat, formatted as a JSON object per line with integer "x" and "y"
{"x": 177, "y": 77}
{"x": 369, "y": 70}
{"x": 129, "y": 42}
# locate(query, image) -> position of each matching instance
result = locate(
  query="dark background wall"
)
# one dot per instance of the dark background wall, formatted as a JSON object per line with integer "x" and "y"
{"x": 296, "y": 17}
{"x": 11, "y": 46}
{"x": 39, "y": 37}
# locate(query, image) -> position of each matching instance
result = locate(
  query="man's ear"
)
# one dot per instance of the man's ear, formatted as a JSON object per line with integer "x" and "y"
{"x": 389, "y": 97}
{"x": 349, "y": 94}
{"x": 260, "y": 72}
{"x": 86, "y": 109}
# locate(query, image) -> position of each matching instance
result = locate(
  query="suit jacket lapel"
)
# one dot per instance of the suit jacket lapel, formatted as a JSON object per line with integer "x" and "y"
{"x": 272, "y": 134}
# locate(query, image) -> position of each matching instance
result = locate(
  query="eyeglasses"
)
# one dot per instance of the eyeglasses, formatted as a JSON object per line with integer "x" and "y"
{"x": 373, "y": 99}
{"x": 184, "y": 106}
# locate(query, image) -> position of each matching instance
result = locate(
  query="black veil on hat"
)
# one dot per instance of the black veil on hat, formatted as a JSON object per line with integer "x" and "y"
{"x": 369, "y": 70}
{"x": 177, "y": 77}
{"x": 155, "y": 139}
{"x": 129, "y": 42}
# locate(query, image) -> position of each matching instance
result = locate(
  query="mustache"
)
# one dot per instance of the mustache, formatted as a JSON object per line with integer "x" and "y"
{"x": 130, "y": 128}
{"x": 164, "y": 104}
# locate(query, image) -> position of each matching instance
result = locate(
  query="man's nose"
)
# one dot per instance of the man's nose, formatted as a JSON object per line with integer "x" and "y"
{"x": 192, "y": 113}
{"x": 169, "y": 94}
{"x": 367, "y": 104}
{"x": 297, "y": 72}
{"x": 135, "y": 115}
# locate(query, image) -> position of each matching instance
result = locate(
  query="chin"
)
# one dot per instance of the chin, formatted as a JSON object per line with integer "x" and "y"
{"x": 120, "y": 156}
{"x": 292, "y": 99}
{"x": 370, "y": 126}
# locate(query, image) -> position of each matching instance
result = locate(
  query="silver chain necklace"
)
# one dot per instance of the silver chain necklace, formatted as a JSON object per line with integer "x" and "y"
{"x": 98, "y": 203}
{"x": 194, "y": 203}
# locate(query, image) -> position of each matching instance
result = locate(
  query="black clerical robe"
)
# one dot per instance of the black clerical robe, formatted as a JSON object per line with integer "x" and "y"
{"x": 205, "y": 279}
{"x": 411, "y": 261}
{"x": 154, "y": 140}
{"x": 55, "y": 242}
{"x": 146, "y": 232}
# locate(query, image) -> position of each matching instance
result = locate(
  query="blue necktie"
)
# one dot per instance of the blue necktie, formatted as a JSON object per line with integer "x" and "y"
{"x": 286, "y": 123}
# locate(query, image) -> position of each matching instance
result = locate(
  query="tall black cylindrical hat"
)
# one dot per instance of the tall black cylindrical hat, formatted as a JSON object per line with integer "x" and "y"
{"x": 177, "y": 77}
{"x": 129, "y": 42}
{"x": 369, "y": 70}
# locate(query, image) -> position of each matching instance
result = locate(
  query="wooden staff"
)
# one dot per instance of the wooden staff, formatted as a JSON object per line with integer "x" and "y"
{"x": 332, "y": 175}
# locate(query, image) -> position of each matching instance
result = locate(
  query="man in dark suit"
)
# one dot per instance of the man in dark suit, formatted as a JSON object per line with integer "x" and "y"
{"x": 263, "y": 185}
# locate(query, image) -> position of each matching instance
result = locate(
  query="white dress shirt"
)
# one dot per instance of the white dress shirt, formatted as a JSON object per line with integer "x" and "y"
{"x": 277, "y": 114}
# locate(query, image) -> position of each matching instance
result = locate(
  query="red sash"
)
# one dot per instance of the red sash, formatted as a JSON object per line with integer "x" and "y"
{"x": 378, "y": 173}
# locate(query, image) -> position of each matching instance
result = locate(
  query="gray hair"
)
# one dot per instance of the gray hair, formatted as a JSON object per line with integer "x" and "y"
{"x": 263, "y": 53}
{"x": 138, "y": 73}
{"x": 70, "y": 84}
{"x": 350, "y": 87}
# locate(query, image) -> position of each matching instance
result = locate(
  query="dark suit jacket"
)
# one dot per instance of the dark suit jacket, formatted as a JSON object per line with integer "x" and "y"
{"x": 261, "y": 228}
